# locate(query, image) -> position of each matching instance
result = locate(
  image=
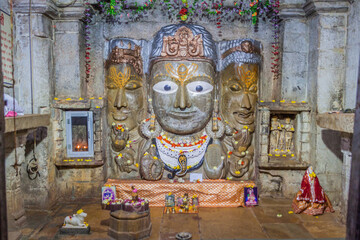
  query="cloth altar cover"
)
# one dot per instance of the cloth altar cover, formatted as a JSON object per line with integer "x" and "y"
{"x": 211, "y": 193}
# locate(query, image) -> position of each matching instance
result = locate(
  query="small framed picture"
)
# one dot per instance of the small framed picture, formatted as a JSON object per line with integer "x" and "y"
{"x": 108, "y": 194}
{"x": 250, "y": 197}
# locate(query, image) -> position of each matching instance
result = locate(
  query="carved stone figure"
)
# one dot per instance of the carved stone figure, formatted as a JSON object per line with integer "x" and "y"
{"x": 76, "y": 220}
{"x": 281, "y": 136}
{"x": 126, "y": 101}
{"x": 239, "y": 93}
{"x": 289, "y": 132}
{"x": 182, "y": 87}
{"x": 275, "y": 131}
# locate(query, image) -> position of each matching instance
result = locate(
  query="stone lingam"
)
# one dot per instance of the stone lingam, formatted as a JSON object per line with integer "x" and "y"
{"x": 200, "y": 105}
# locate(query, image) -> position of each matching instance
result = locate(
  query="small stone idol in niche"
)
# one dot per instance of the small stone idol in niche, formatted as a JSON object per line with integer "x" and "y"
{"x": 311, "y": 199}
{"x": 250, "y": 193}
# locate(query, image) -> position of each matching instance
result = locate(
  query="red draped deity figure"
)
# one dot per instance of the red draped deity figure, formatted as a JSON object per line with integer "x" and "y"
{"x": 311, "y": 199}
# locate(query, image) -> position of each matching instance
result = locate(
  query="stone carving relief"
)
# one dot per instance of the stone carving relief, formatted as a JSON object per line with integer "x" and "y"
{"x": 126, "y": 102}
{"x": 196, "y": 121}
{"x": 282, "y": 132}
{"x": 239, "y": 94}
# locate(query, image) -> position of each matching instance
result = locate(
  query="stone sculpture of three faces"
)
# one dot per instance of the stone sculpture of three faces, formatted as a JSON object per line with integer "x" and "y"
{"x": 183, "y": 106}
{"x": 182, "y": 93}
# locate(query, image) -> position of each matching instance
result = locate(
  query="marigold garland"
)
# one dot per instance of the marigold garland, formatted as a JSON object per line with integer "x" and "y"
{"x": 87, "y": 20}
{"x": 114, "y": 10}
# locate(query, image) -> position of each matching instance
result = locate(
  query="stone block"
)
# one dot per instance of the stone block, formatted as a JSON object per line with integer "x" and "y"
{"x": 21, "y": 74}
{"x": 305, "y": 127}
{"x": 265, "y": 116}
{"x": 5, "y": 6}
{"x": 332, "y": 39}
{"x": 22, "y": 25}
{"x": 305, "y": 137}
{"x": 296, "y": 26}
{"x": 305, "y": 156}
{"x": 67, "y": 26}
{"x": 305, "y": 147}
{"x": 41, "y": 26}
{"x": 264, "y": 150}
{"x": 305, "y": 117}
{"x": 98, "y": 156}
{"x": 330, "y": 182}
{"x": 333, "y": 21}
{"x": 294, "y": 72}
{"x": 264, "y": 158}
{"x": 297, "y": 43}
{"x": 67, "y": 65}
{"x": 330, "y": 85}
{"x": 333, "y": 58}
{"x": 264, "y": 139}
{"x": 42, "y": 71}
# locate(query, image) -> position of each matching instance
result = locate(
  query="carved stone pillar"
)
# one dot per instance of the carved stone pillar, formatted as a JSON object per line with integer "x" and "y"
{"x": 295, "y": 51}
{"x": 327, "y": 40}
{"x": 14, "y": 196}
{"x": 327, "y": 23}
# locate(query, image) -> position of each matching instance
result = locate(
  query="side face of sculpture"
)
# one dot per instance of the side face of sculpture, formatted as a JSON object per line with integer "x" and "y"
{"x": 239, "y": 93}
{"x": 126, "y": 101}
{"x": 182, "y": 93}
{"x": 125, "y": 96}
{"x": 239, "y": 85}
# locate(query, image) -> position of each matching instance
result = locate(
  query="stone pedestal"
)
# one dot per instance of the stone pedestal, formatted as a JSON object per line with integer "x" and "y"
{"x": 129, "y": 225}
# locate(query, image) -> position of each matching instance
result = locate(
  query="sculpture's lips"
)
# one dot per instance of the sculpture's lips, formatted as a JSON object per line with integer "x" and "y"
{"x": 244, "y": 117}
{"x": 182, "y": 114}
{"x": 120, "y": 116}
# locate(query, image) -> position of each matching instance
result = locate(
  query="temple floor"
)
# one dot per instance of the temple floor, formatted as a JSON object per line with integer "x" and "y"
{"x": 261, "y": 222}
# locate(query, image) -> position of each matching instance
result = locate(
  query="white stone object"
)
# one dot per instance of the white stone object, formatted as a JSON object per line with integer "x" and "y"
{"x": 76, "y": 220}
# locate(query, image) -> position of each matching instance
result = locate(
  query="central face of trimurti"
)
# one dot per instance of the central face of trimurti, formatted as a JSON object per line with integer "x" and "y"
{"x": 182, "y": 93}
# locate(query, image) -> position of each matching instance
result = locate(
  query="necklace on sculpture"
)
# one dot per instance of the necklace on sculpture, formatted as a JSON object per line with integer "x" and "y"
{"x": 184, "y": 155}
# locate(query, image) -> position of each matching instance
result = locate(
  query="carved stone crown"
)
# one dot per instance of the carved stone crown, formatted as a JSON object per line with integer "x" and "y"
{"x": 245, "y": 46}
{"x": 183, "y": 45}
{"x": 133, "y": 57}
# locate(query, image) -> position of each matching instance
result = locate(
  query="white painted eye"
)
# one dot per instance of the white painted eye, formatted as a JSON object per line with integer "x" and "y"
{"x": 199, "y": 87}
{"x": 165, "y": 87}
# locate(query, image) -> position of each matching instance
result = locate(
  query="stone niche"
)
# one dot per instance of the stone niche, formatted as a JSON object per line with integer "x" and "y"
{"x": 60, "y": 132}
{"x": 284, "y": 136}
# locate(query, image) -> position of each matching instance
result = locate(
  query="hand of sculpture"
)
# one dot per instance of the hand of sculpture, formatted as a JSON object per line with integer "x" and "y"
{"x": 151, "y": 168}
{"x": 125, "y": 161}
{"x": 241, "y": 142}
{"x": 119, "y": 138}
{"x": 238, "y": 166}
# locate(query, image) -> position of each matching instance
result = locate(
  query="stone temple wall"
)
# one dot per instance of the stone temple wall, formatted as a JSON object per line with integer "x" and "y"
{"x": 319, "y": 63}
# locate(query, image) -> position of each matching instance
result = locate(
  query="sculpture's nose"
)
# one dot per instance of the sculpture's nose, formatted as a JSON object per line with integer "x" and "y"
{"x": 120, "y": 100}
{"x": 182, "y": 100}
{"x": 245, "y": 101}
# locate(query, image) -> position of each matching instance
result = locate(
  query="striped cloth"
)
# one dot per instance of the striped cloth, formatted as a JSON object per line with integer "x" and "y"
{"x": 211, "y": 193}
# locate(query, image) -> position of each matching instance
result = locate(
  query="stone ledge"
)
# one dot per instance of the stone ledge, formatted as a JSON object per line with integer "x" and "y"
{"x": 26, "y": 122}
{"x": 342, "y": 122}
{"x": 79, "y": 162}
{"x": 283, "y": 164}
{"x": 284, "y": 107}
